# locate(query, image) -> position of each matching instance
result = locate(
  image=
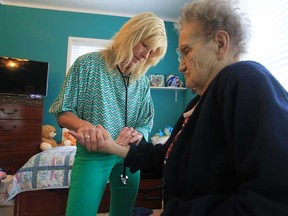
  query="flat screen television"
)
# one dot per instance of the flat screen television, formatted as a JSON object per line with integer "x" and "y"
{"x": 23, "y": 77}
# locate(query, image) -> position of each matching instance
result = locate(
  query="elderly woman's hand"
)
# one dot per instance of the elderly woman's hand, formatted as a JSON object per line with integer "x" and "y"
{"x": 128, "y": 135}
{"x": 110, "y": 146}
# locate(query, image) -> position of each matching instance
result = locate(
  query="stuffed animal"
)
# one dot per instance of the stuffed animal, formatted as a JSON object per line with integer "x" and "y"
{"x": 3, "y": 174}
{"x": 67, "y": 139}
{"x": 161, "y": 137}
{"x": 48, "y": 134}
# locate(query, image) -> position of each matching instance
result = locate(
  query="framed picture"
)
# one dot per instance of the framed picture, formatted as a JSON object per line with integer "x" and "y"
{"x": 157, "y": 80}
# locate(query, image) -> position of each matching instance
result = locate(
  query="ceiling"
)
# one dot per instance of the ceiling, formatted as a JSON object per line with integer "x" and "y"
{"x": 166, "y": 9}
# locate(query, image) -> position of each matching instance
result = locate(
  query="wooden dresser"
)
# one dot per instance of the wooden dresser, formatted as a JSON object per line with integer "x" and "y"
{"x": 20, "y": 131}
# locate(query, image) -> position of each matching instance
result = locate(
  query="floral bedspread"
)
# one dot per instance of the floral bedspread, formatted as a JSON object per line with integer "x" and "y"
{"x": 49, "y": 169}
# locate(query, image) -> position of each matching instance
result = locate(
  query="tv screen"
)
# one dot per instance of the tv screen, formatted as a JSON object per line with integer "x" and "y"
{"x": 23, "y": 77}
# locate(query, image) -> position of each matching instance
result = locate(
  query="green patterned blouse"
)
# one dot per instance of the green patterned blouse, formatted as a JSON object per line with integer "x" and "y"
{"x": 98, "y": 96}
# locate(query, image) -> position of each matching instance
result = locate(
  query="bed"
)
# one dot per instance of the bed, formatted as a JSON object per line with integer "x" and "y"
{"x": 40, "y": 186}
{"x": 49, "y": 169}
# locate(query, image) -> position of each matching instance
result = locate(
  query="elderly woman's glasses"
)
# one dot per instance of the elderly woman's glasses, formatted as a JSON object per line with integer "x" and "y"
{"x": 180, "y": 55}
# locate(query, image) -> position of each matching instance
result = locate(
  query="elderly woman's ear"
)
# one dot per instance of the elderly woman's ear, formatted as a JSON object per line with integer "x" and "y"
{"x": 222, "y": 41}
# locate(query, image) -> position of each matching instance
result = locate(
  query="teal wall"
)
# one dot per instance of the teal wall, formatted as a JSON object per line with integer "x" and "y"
{"x": 42, "y": 35}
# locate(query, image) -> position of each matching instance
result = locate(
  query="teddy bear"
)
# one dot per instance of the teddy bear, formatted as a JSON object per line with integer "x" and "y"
{"x": 48, "y": 134}
{"x": 67, "y": 139}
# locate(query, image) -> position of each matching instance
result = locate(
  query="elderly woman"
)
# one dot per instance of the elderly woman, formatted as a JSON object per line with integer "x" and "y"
{"x": 228, "y": 153}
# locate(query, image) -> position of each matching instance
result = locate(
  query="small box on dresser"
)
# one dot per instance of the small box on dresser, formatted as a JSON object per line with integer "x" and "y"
{"x": 20, "y": 131}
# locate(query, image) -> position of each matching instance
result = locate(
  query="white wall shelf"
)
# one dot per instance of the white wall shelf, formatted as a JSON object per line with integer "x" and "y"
{"x": 176, "y": 89}
{"x": 168, "y": 88}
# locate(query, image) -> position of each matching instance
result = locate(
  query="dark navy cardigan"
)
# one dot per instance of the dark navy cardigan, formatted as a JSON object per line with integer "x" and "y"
{"x": 231, "y": 157}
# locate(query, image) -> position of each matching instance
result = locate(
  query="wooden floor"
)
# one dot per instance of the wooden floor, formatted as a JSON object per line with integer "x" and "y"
{"x": 8, "y": 211}
{"x": 156, "y": 212}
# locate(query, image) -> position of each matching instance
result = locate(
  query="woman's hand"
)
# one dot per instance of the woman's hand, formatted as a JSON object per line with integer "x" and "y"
{"x": 89, "y": 136}
{"x": 128, "y": 135}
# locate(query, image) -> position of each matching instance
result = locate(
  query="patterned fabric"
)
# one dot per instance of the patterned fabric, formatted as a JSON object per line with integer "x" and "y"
{"x": 49, "y": 169}
{"x": 98, "y": 96}
{"x": 186, "y": 116}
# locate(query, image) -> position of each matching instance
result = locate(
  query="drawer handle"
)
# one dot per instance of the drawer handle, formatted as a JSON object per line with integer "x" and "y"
{"x": 9, "y": 113}
{"x": 9, "y": 129}
{"x": 7, "y": 145}
{"x": 146, "y": 191}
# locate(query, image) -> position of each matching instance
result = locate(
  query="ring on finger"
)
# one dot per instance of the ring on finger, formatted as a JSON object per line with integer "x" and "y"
{"x": 87, "y": 136}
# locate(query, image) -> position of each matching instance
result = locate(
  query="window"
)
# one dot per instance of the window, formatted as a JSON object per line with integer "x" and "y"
{"x": 78, "y": 46}
{"x": 269, "y": 39}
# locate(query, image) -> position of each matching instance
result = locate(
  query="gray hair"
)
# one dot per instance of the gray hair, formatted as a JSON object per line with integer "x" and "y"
{"x": 215, "y": 15}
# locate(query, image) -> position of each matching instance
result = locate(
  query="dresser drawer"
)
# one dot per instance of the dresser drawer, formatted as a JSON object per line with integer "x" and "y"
{"x": 20, "y": 111}
{"x": 20, "y": 127}
{"x": 12, "y": 161}
{"x": 20, "y": 143}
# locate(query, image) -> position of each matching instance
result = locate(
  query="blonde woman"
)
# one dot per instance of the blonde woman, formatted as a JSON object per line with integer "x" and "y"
{"x": 109, "y": 88}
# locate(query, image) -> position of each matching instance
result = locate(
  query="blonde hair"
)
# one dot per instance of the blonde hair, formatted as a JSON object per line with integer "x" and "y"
{"x": 145, "y": 27}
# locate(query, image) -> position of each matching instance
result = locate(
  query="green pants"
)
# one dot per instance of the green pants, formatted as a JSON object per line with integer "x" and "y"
{"x": 89, "y": 177}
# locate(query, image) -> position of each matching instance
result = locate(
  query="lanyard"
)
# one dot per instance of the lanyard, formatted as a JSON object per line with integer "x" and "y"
{"x": 123, "y": 176}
